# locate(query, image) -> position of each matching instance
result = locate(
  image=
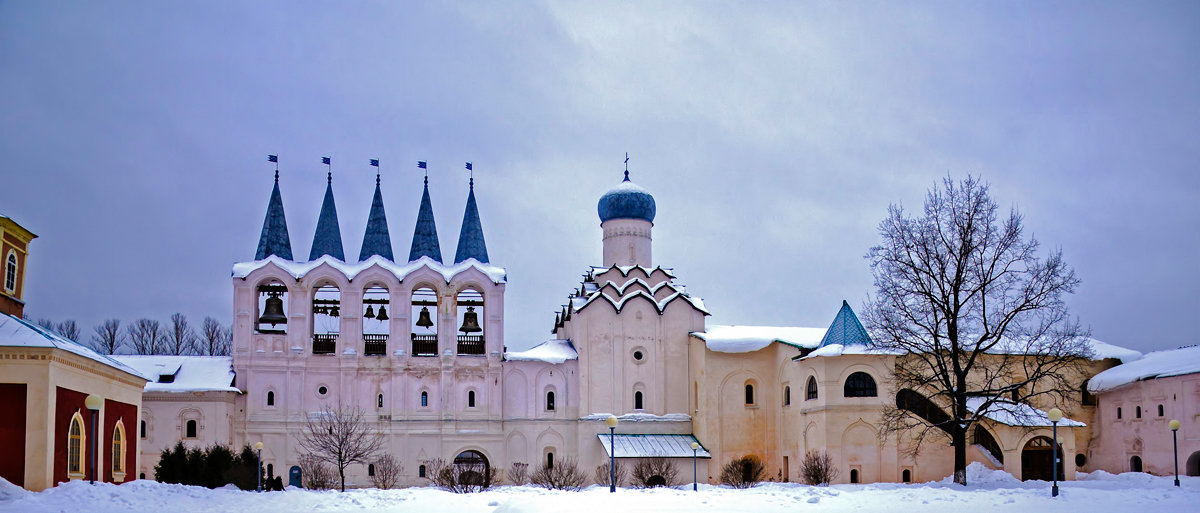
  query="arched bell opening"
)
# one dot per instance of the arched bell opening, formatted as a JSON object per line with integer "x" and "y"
{"x": 271, "y": 316}
{"x": 327, "y": 316}
{"x": 376, "y": 327}
{"x": 470, "y": 322}
{"x": 424, "y": 315}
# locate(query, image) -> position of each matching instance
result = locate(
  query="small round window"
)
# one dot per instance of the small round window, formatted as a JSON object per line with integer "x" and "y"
{"x": 1080, "y": 460}
{"x": 321, "y": 390}
{"x": 637, "y": 355}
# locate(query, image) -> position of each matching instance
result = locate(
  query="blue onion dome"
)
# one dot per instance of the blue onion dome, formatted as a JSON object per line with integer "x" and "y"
{"x": 626, "y": 201}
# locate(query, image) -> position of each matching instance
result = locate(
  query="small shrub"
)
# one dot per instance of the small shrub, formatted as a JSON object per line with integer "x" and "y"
{"x": 744, "y": 472}
{"x": 317, "y": 474}
{"x": 817, "y": 469}
{"x": 652, "y": 472}
{"x": 563, "y": 476}
{"x": 460, "y": 478}
{"x": 387, "y": 472}
{"x": 518, "y": 473}
{"x": 601, "y": 476}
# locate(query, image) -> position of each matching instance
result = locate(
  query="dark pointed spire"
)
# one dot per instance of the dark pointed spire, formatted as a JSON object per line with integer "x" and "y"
{"x": 274, "y": 239}
{"x": 328, "y": 239}
{"x": 846, "y": 329}
{"x": 377, "y": 240}
{"x": 425, "y": 239}
{"x": 470, "y": 239}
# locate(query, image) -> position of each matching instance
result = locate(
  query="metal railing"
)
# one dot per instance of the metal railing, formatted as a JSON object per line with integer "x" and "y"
{"x": 375, "y": 344}
{"x": 470, "y": 344}
{"x": 324, "y": 343}
{"x": 424, "y": 345}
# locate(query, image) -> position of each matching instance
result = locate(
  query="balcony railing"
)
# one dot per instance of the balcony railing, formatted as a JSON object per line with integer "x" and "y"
{"x": 375, "y": 344}
{"x": 324, "y": 343}
{"x": 424, "y": 345}
{"x": 470, "y": 344}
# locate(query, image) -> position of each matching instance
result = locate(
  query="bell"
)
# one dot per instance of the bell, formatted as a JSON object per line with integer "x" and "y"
{"x": 423, "y": 320}
{"x": 370, "y": 312}
{"x": 382, "y": 316}
{"x": 333, "y": 312}
{"x": 470, "y": 321}
{"x": 273, "y": 313}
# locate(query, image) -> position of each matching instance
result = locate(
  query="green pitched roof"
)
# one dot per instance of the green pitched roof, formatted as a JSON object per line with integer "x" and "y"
{"x": 846, "y": 329}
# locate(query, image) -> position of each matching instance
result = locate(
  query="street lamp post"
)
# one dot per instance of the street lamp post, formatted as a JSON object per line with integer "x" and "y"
{"x": 1174, "y": 425}
{"x": 258, "y": 471}
{"x": 612, "y": 422}
{"x": 1055, "y": 415}
{"x": 93, "y": 403}
{"x": 695, "y": 447}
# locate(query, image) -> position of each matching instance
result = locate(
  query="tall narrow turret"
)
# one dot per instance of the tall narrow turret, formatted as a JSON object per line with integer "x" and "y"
{"x": 425, "y": 238}
{"x": 470, "y": 239}
{"x": 328, "y": 238}
{"x": 377, "y": 240}
{"x": 274, "y": 239}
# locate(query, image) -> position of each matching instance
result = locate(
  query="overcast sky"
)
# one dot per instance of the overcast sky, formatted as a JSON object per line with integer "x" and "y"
{"x": 772, "y": 135}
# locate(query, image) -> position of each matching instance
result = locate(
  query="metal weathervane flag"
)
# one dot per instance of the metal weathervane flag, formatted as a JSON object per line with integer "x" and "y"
{"x": 326, "y": 160}
{"x": 273, "y": 158}
{"x": 469, "y": 166}
{"x": 375, "y": 162}
{"x": 421, "y": 164}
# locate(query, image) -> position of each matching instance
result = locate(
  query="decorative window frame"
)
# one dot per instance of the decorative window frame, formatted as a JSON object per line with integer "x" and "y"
{"x": 12, "y": 261}
{"x": 119, "y": 453}
{"x": 81, "y": 457}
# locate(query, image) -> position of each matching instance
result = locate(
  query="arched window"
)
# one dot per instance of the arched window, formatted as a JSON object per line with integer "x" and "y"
{"x": 142, "y": 429}
{"x": 270, "y": 398}
{"x": 10, "y": 272}
{"x": 379, "y": 401}
{"x": 421, "y": 471}
{"x": 637, "y": 400}
{"x": 270, "y": 470}
{"x": 118, "y": 453}
{"x": 190, "y": 429}
{"x": 1160, "y": 410}
{"x": 1135, "y": 464}
{"x": 424, "y": 399}
{"x": 376, "y": 320}
{"x": 470, "y": 322}
{"x": 75, "y": 446}
{"x": 1118, "y": 412}
{"x": 787, "y": 395}
{"x": 1086, "y": 398}
{"x": 326, "y": 318}
{"x": 423, "y": 312}
{"x": 550, "y": 401}
{"x": 853, "y": 475}
{"x": 470, "y": 399}
{"x": 906, "y": 476}
{"x": 1137, "y": 412}
{"x": 272, "y": 308}
{"x": 550, "y": 460}
{"x": 749, "y": 394}
{"x": 810, "y": 390}
{"x": 371, "y": 470}
{"x": 860, "y": 384}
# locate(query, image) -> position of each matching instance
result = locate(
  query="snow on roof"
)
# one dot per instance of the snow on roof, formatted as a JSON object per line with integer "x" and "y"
{"x": 839, "y": 350}
{"x": 1159, "y": 364}
{"x": 183, "y": 373}
{"x": 652, "y": 446}
{"x": 1100, "y": 350}
{"x": 626, "y": 269}
{"x": 618, "y": 304}
{"x": 299, "y": 269}
{"x": 16, "y": 332}
{"x": 745, "y": 339}
{"x": 1017, "y": 414}
{"x": 641, "y": 417}
{"x": 550, "y": 351}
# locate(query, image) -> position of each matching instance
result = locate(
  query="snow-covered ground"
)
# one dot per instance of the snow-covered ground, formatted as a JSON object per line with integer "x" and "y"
{"x": 1098, "y": 492}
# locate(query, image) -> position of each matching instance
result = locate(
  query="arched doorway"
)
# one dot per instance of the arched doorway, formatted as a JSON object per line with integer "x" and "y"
{"x": 1193, "y": 464}
{"x": 472, "y": 468}
{"x": 1135, "y": 464}
{"x": 1037, "y": 460}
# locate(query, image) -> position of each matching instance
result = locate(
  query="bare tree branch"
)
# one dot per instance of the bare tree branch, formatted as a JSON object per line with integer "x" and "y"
{"x": 974, "y": 314}
{"x": 339, "y": 436}
{"x": 107, "y": 337}
{"x": 180, "y": 337}
{"x": 145, "y": 336}
{"x": 215, "y": 339}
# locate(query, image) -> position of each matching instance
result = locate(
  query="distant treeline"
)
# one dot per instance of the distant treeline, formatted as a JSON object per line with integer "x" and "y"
{"x": 148, "y": 336}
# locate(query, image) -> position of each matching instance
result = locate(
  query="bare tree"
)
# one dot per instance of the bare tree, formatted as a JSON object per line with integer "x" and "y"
{"x": 107, "y": 337}
{"x": 68, "y": 329}
{"x": 387, "y": 472}
{"x": 180, "y": 337}
{"x": 744, "y": 472}
{"x": 974, "y": 315}
{"x": 602, "y": 476}
{"x": 45, "y": 324}
{"x": 215, "y": 339}
{"x": 340, "y": 437}
{"x": 145, "y": 336}
{"x": 518, "y": 473}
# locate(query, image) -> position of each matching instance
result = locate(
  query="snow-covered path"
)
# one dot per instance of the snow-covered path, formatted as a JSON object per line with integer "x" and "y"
{"x": 1097, "y": 493}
